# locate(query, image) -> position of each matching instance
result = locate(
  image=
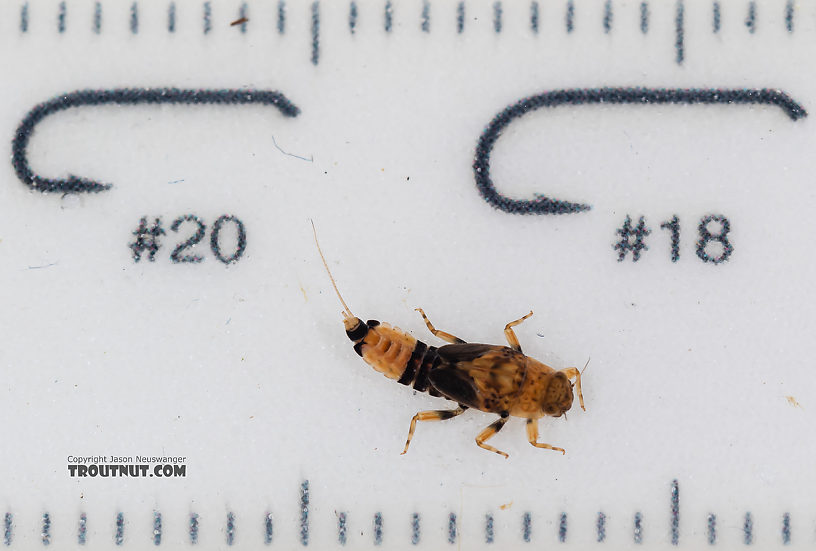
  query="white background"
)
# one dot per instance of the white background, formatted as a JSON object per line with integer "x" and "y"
{"x": 245, "y": 369}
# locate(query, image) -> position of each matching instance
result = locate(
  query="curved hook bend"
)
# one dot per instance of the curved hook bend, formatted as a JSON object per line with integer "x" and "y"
{"x": 122, "y": 96}
{"x": 581, "y": 96}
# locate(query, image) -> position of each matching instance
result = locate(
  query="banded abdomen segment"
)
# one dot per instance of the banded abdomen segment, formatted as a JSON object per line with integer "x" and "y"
{"x": 394, "y": 353}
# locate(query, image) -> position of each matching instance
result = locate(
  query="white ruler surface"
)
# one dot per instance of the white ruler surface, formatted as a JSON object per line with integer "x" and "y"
{"x": 174, "y": 366}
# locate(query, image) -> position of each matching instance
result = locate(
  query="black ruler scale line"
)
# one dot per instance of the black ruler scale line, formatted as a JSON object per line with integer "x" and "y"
{"x": 748, "y": 529}
{"x": 193, "y": 528}
{"x": 82, "y": 530}
{"x": 24, "y": 18}
{"x": 644, "y": 17}
{"x": 281, "y": 16}
{"x": 304, "y": 512}
{"x": 378, "y": 528}
{"x": 562, "y": 528}
{"x": 157, "y": 528}
{"x": 134, "y": 18}
{"x": 269, "y": 528}
{"x": 171, "y": 18}
{"x": 451, "y": 533}
{"x": 315, "y": 32}
{"x": 786, "y": 534}
{"x": 7, "y": 525}
{"x": 605, "y": 24}
{"x": 715, "y": 17}
{"x": 534, "y": 17}
{"x": 600, "y": 526}
{"x": 637, "y": 530}
{"x": 750, "y": 20}
{"x": 119, "y": 535}
{"x": 243, "y": 18}
{"x": 341, "y": 528}
{"x": 675, "y": 512}
{"x": 231, "y": 528}
{"x": 526, "y": 527}
{"x": 61, "y": 18}
{"x": 679, "y": 41}
{"x": 353, "y": 17}
{"x": 388, "y": 18}
{"x": 46, "y": 529}
{"x": 207, "y": 17}
{"x": 97, "y": 18}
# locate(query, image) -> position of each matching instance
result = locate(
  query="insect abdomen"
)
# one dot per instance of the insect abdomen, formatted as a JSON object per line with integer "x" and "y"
{"x": 395, "y": 353}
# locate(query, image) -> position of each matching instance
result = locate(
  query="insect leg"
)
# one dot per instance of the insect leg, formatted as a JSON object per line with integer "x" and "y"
{"x": 435, "y": 415}
{"x": 532, "y": 436}
{"x": 441, "y": 334}
{"x": 571, "y": 372}
{"x": 489, "y": 432}
{"x": 511, "y": 336}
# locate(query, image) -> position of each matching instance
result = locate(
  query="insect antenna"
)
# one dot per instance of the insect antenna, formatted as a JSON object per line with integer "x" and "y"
{"x": 347, "y": 312}
{"x": 585, "y": 366}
